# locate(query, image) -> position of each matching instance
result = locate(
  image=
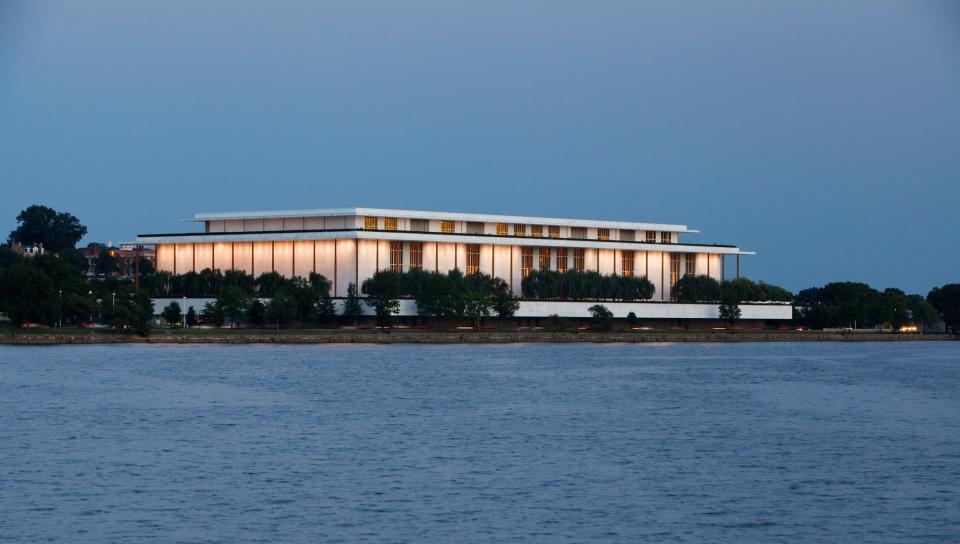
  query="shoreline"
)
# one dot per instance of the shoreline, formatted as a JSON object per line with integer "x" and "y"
{"x": 455, "y": 337}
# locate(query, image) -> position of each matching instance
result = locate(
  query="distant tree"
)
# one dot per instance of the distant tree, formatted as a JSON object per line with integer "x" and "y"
{"x": 42, "y": 225}
{"x": 107, "y": 262}
{"x": 241, "y": 279}
{"x": 632, "y": 319}
{"x": 257, "y": 312}
{"x": 211, "y": 314}
{"x": 146, "y": 266}
{"x": 9, "y": 257}
{"x": 232, "y": 303}
{"x": 133, "y": 312}
{"x": 282, "y": 308}
{"x": 588, "y": 285}
{"x": 922, "y": 312}
{"x": 383, "y": 290}
{"x": 729, "y": 310}
{"x": 692, "y": 288}
{"x": 172, "y": 313}
{"x": 504, "y": 304}
{"x": 326, "y": 309}
{"x": 305, "y": 295}
{"x": 602, "y": 317}
{"x": 269, "y": 283}
{"x": 352, "y": 306}
{"x": 28, "y": 295}
{"x": 946, "y": 300}
{"x": 192, "y": 318}
{"x": 889, "y": 307}
{"x": 437, "y": 296}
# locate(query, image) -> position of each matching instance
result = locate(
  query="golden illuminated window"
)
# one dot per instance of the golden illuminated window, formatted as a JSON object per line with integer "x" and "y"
{"x": 674, "y": 268}
{"x": 691, "y": 264}
{"x": 526, "y": 261}
{"x": 502, "y": 229}
{"x": 603, "y": 234}
{"x": 473, "y": 258}
{"x": 628, "y": 264}
{"x": 562, "y": 259}
{"x": 396, "y": 256}
{"x": 537, "y": 231}
{"x": 519, "y": 230}
{"x": 651, "y": 237}
{"x": 544, "y": 258}
{"x": 447, "y": 227}
{"x": 389, "y": 223}
{"x": 416, "y": 255}
{"x": 554, "y": 231}
{"x": 370, "y": 223}
{"x": 665, "y": 238}
{"x": 578, "y": 258}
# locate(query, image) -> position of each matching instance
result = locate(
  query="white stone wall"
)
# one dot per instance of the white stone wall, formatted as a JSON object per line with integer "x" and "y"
{"x": 643, "y": 310}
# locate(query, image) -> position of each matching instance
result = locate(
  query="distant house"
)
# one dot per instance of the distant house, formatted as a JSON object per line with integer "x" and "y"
{"x": 126, "y": 255}
{"x": 28, "y": 251}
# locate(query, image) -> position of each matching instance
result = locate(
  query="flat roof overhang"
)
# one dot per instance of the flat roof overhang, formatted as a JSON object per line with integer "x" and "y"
{"x": 359, "y": 234}
{"x": 438, "y": 216}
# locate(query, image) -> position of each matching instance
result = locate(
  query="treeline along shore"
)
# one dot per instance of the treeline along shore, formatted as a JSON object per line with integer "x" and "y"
{"x": 56, "y": 289}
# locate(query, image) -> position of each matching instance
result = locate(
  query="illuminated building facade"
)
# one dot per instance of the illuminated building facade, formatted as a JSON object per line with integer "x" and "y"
{"x": 347, "y": 245}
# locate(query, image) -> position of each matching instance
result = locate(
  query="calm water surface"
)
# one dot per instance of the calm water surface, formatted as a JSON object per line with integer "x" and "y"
{"x": 520, "y": 443}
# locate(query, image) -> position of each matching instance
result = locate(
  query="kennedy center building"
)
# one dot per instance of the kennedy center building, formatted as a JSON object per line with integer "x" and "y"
{"x": 347, "y": 245}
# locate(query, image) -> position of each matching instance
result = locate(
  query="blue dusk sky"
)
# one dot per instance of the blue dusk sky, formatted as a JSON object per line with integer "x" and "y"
{"x": 824, "y": 135}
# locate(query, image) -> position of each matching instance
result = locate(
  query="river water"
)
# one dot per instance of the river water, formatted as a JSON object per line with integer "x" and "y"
{"x": 824, "y": 442}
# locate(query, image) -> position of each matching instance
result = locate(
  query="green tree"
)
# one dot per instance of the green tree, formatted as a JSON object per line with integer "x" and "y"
{"x": 232, "y": 303}
{"x": 503, "y": 303}
{"x": 305, "y": 295}
{"x": 437, "y": 296}
{"x": 282, "y": 308}
{"x": 257, "y": 313}
{"x": 729, "y": 309}
{"x": 269, "y": 283}
{"x": 133, "y": 312}
{"x": 352, "y": 306}
{"x": 691, "y": 288}
{"x": 56, "y": 231}
{"x": 192, "y": 319}
{"x": 632, "y": 319}
{"x": 28, "y": 295}
{"x": 9, "y": 257}
{"x": 602, "y": 317}
{"x": 171, "y": 314}
{"x": 326, "y": 309}
{"x": 946, "y": 300}
{"x": 211, "y": 314}
{"x": 383, "y": 290}
{"x": 107, "y": 262}
{"x": 922, "y": 312}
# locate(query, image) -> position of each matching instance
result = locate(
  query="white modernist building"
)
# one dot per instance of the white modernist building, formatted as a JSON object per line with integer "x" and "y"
{"x": 347, "y": 245}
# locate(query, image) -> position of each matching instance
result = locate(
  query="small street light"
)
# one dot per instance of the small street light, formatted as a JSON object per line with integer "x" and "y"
{"x": 59, "y": 308}
{"x": 183, "y": 309}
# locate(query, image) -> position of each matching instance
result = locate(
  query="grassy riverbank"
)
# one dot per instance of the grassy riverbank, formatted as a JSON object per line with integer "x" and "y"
{"x": 325, "y": 336}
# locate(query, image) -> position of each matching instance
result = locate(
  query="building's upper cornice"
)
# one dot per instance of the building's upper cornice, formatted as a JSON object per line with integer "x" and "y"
{"x": 450, "y": 216}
